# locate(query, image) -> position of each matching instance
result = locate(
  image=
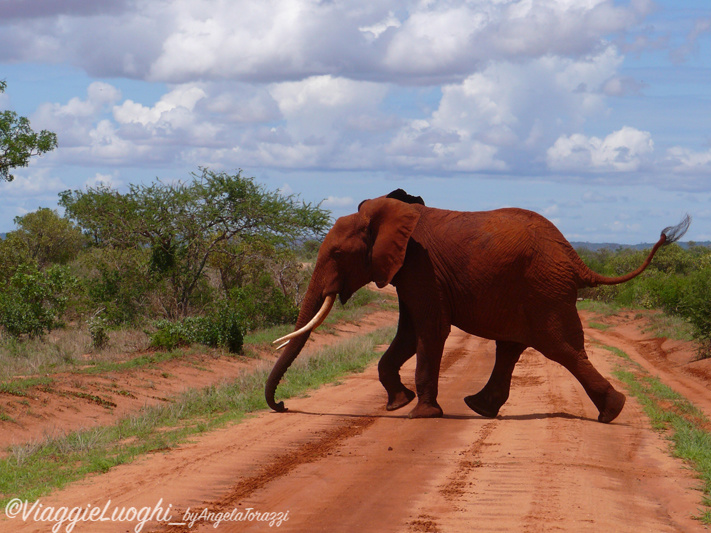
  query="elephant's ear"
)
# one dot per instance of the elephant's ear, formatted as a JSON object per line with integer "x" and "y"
{"x": 391, "y": 223}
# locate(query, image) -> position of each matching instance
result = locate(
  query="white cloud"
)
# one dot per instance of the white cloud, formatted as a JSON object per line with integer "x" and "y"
{"x": 34, "y": 182}
{"x": 623, "y": 150}
{"x": 110, "y": 180}
{"x": 687, "y": 160}
{"x": 323, "y": 112}
{"x": 374, "y": 31}
{"x": 75, "y": 119}
{"x": 170, "y": 109}
{"x": 338, "y": 202}
{"x": 279, "y": 40}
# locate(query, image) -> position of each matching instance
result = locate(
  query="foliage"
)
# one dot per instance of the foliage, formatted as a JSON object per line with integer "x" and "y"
{"x": 98, "y": 326}
{"x": 220, "y": 329}
{"x": 34, "y": 300}
{"x": 678, "y": 281}
{"x": 18, "y": 143}
{"x": 263, "y": 304}
{"x": 117, "y": 280}
{"x": 185, "y": 225}
{"x": 47, "y": 238}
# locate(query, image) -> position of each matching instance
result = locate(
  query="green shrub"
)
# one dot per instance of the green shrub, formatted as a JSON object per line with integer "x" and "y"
{"x": 98, "y": 326}
{"x": 170, "y": 335}
{"x": 223, "y": 328}
{"x": 263, "y": 304}
{"x": 696, "y": 303}
{"x": 34, "y": 301}
{"x": 119, "y": 281}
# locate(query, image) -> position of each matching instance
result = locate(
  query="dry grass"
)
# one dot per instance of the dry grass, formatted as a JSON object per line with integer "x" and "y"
{"x": 64, "y": 349}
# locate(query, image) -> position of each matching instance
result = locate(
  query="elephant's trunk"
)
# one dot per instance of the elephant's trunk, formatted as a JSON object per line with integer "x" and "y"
{"x": 313, "y": 311}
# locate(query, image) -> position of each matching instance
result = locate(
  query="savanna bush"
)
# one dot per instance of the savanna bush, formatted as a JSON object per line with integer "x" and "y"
{"x": 223, "y": 328}
{"x": 34, "y": 301}
{"x": 678, "y": 281}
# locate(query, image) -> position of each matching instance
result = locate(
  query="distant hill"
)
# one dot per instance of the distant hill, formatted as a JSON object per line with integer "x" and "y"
{"x": 595, "y": 246}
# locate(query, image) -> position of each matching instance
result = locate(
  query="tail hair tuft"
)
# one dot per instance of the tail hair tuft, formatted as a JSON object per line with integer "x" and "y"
{"x": 674, "y": 233}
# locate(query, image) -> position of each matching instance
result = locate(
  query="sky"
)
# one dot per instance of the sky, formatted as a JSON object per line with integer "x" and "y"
{"x": 594, "y": 113}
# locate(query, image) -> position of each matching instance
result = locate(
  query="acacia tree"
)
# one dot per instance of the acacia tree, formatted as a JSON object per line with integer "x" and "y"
{"x": 183, "y": 225}
{"x": 18, "y": 143}
{"x": 47, "y": 237}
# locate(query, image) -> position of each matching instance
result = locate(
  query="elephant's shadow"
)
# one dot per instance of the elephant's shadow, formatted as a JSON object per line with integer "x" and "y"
{"x": 473, "y": 416}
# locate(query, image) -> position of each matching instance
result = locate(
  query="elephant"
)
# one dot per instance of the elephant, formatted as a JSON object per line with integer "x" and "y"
{"x": 508, "y": 275}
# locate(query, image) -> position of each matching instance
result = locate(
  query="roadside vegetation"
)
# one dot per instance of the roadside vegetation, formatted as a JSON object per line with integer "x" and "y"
{"x": 678, "y": 282}
{"x": 683, "y": 424}
{"x": 161, "y": 266}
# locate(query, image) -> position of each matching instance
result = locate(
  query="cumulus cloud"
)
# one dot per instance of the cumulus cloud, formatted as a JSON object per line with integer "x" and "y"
{"x": 311, "y": 85}
{"x": 35, "y": 183}
{"x": 47, "y": 8}
{"x": 622, "y": 150}
{"x": 77, "y": 118}
{"x": 281, "y": 40}
{"x": 109, "y": 180}
{"x": 685, "y": 160}
{"x": 336, "y": 202}
{"x": 622, "y": 86}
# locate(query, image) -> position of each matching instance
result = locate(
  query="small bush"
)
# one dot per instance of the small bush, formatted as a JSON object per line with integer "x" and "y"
{"x": 98, "y": 326}
{"x": 263, "y": 303}
{"x": 34, "y": 301}
{"x": 223, "y": 328}
{"x": 171, "y": 335}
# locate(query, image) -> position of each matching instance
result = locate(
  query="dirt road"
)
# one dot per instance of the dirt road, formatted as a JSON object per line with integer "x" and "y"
{"x": 338, "y": 462}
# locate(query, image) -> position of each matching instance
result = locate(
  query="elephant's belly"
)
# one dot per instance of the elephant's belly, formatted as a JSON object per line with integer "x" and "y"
{"x": 496, "y": 324}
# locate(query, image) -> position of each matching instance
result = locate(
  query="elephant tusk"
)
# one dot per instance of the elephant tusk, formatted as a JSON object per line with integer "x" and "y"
{"x": 313, "y": 323}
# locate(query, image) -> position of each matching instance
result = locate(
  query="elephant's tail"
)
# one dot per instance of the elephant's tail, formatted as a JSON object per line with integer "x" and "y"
{"x": 589, "y": 278}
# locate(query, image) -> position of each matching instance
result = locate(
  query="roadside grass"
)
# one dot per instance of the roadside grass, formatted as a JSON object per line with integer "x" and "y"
{"x": 660, "y": 324}
{"x": 36, "y": 468}
{"x": 597, "y": 325}
{"x": 682, "y": 423}
{"x": 63, "y": 350}
{"x": 669, "y": 326}
{"x": 598, "y": 307}
{"x": 19, "y": 387}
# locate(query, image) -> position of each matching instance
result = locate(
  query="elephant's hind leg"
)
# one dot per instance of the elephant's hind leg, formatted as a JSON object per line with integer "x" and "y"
{"x": 489, "y": 400}
{"x": 567, "y": 347}
{"x": 402, "y": 348}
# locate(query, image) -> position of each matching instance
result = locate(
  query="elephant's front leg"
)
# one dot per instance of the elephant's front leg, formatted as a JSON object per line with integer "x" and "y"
{"x": 489, "y": 400}
{"x": 429, "y": 358}
{"x": 402, "y": 348}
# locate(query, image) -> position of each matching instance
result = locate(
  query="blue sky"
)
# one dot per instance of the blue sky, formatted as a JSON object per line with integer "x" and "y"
{"x": 594, "y": 113}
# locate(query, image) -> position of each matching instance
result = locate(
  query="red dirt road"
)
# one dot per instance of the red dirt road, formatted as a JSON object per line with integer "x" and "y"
{"x": 338, "y": 462}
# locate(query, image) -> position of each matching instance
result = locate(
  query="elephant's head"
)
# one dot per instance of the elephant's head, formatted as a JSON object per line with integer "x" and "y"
{"x": 366, "y": 246}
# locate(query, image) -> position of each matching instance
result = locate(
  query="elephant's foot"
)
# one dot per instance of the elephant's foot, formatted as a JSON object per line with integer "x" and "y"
{"x": 614, "y": 402}
{"x": 483, "y": 405}
{"x": 400, "y": 399}
{"x": 423, "y": 410}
